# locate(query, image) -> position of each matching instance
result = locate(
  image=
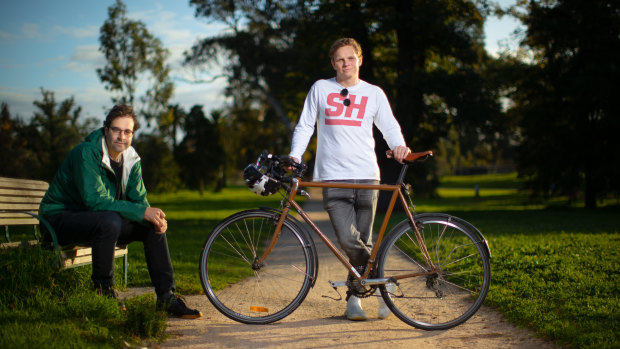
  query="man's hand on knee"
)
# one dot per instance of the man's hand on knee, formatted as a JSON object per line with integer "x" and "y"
{"x": 157, "y": 217}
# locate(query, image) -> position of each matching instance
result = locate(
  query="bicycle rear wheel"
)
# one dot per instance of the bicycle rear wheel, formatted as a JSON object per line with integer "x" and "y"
{"x": 457, "y": 278}
{"x": 249, "y": 293}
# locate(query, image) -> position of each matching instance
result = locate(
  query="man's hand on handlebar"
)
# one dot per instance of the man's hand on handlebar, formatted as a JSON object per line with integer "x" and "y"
{"x": 291, "y": 167}
{"x": 399, "y": 153}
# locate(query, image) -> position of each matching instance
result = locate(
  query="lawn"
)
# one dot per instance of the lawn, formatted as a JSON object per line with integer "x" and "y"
{"x": 190, "y": 219}
{"x": 555, "y": 268}
{"x": 555, "y": 265}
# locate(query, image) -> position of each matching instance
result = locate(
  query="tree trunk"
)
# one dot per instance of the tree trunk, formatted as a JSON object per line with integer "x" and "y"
{"x": 590, "y": 195}
{"x": 408, "y": 106}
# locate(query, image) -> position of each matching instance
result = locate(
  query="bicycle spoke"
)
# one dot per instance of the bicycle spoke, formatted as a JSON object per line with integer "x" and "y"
{"x": 255, "y": 293}
{"x": 458, "y": 278}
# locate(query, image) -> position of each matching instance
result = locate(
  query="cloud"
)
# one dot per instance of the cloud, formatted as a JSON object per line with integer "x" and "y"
{"x": 31, "y": 30}
{"x": 88, "y": 31}
{"x": 94, "y": 100}
{"x": 46, "y": 34}
{"x": 19, "y": 100}
{"x": 177, "y": 31}
{"x": 85, "y": 59}
{"x": 7, "y": 36}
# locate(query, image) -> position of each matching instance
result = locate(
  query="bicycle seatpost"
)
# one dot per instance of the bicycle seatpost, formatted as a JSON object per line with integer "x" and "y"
{"x": 401, "y": 176}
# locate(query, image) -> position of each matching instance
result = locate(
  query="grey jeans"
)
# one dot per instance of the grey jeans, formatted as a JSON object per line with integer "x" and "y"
{"x": 352, "y": 213}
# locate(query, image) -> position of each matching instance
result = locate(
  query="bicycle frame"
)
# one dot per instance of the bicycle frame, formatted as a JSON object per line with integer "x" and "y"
{"x": 432, "y": 269}
{"x": 397, "y": 194}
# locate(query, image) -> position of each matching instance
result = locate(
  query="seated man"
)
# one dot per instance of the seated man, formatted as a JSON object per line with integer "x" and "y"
{"x": 98, "y": 198}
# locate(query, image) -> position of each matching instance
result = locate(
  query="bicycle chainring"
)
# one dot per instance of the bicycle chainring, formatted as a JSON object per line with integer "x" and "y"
{"x": 360, "y": 291}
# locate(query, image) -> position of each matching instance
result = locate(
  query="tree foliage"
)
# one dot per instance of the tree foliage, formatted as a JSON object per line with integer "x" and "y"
{"x": 556, "y": 100}
{"x": 133, "y": 55}
{"x": 36, "y": 149}
{"x": 200, "y": 154}
{"x": 567, "y": 98}
{"x": 16, "y": 151}
{"x": 427, "y": 55}
{"x": 160, "y": 171}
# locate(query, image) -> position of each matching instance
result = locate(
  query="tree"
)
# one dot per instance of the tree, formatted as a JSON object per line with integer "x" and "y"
{"x": 567, "y": 98}
{"x": 159, "y": 170}
{"x": 16, "y": 156}
{"x": 132, "y": 54}
{"x": 170, "y": 123}
{"x": 200, "y": 154}
{"x": 427, "y": 55}
{"x": 54, "y": 130}
{"x": 36, "y": 149}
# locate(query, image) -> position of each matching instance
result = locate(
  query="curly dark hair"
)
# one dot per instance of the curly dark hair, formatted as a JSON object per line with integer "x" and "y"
{"x": 121, "y": 110}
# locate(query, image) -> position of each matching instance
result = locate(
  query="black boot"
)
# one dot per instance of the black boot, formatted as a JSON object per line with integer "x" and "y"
{"x": 175, "y": 305}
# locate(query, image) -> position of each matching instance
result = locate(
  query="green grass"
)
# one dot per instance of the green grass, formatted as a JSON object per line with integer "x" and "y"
{"x": 42, "y": 307}
{"x": 555, "y": 265}
{"x": 191, "y": 218}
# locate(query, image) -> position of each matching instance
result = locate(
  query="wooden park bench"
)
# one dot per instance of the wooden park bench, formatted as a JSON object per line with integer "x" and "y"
{"x": 19, "y": 206}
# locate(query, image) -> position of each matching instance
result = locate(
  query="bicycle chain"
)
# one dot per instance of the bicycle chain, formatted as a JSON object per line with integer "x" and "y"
{"x": 367, "y": 293}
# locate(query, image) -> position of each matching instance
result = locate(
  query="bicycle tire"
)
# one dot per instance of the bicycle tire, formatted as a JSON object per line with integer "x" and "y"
{"x": 450, "y": 295}
{"x": 258, "y": 295}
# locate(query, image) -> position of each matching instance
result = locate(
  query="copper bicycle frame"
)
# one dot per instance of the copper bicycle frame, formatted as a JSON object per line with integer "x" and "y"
{"x": 396, "y": 194}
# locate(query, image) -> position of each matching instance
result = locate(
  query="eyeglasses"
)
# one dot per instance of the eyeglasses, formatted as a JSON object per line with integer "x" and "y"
{"x": 117, "y": 131}
{"x": 345, "y": 93}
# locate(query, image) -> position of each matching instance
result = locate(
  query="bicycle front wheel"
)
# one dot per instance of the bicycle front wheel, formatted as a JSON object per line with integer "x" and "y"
{"x": 452, "y": 279}
{"x": 250, "y": 293}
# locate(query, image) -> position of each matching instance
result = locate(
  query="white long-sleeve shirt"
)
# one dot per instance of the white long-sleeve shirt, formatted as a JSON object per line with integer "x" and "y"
{"x": 345, "y": 145}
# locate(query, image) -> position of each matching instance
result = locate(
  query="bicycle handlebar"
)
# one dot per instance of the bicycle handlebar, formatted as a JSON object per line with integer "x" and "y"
{"x": 276, "y": 166}
{"x": 411, "y": 157}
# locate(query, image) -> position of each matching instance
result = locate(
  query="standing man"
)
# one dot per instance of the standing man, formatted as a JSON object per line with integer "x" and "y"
{"x": 344, "y": 110}
{"x": 98, "y": 198}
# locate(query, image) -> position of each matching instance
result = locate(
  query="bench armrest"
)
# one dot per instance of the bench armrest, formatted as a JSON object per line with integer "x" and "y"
{"x": 48, "y": 227}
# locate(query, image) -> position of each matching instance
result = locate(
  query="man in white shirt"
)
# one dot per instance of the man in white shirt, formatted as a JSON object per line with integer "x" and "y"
{"x": 344, "y": 110}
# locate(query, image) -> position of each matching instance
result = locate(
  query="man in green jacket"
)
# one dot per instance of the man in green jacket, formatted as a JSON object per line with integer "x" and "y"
{"x": 98, "y": 198}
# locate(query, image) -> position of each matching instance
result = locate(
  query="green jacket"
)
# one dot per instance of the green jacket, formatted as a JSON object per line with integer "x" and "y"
{"x": 85, "y": 181}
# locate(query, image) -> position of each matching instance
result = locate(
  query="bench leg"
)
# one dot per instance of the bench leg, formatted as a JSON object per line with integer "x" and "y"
{"x": 125, "y": 265}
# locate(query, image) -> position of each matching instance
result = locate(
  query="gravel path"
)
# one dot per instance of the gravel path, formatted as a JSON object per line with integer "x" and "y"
{"x": 319, "y": 322}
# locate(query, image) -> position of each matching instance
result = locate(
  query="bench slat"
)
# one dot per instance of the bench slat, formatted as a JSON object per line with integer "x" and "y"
{"x": 19, "y": 221}
{"x": 19, "y": 207}
{"x": 23, "y": 183}
{"x": 87, "y": 251}
{"x": 20, "y": 199}
{"x": 18, "y": 244}
{"x": 82, "y": 256}
{"x": 16, "y": 214}
{"x": 6, "y": 191}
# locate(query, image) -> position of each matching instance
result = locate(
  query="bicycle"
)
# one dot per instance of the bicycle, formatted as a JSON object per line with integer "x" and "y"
{"x": 432, "y": 269}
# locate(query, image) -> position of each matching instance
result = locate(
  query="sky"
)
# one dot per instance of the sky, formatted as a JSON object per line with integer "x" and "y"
{"x": 54, "y": 45}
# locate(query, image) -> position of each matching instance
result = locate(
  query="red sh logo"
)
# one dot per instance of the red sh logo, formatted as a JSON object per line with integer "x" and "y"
{"x": 335, "y": 109}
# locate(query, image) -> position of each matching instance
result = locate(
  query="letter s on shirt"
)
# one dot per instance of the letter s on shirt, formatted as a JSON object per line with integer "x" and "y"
{"x": 334, "y": 104}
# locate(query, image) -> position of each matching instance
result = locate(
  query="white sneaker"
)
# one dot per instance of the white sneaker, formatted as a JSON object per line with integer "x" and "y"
{"x": 384, "y": 311}
{"x": 354, "y": 310}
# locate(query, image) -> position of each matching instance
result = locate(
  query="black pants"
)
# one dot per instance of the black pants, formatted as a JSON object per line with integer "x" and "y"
{"x": 103, "y": 231}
